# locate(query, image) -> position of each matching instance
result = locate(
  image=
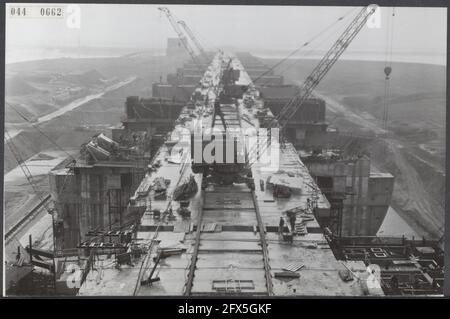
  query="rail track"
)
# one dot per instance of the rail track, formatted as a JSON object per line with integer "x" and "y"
{"x": 226, "y": 244}
{"x": 207, "y": 247}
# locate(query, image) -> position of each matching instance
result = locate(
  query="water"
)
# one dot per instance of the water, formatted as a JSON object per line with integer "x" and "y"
{"x": 416, "y": 57}
{"x": 40, "y": 53}
{"x": 43, "y": 53}
{"x": 83, "y": 100}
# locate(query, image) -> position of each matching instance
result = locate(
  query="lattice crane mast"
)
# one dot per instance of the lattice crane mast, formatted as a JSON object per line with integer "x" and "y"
{"x": 314, "y": 78}
{"x": 180, "y": 34}
{"x": 194, "y": 39}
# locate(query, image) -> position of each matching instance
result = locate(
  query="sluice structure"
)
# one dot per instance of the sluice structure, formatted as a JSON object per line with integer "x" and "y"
{"x": 227, "y": 181}
{"x": 220, "y": 238}
{"x": 147, "y": 214}
{"x": 196, "y": 194}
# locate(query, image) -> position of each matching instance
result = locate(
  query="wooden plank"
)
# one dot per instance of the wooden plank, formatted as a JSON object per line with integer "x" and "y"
{"x": 286, "y": 274}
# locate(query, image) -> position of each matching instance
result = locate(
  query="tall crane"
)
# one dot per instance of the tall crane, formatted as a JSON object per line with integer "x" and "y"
{"x": 388, "y": 69}
{"x": 180, "y": 34}
{"x": 193, "y": 39}
{"x": 314, "y": 78}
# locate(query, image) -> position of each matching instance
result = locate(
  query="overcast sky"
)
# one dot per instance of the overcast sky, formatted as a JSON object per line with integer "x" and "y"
{"x": 245, "y": 27}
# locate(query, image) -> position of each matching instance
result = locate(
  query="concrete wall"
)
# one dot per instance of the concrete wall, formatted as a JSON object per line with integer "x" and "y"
{"x": 270, "y": 80}
{"x": 302, "y": 134}
{"x": 312, "y": 110}
{"x": 91, "y": 199}
{"x": 196, "y": 71}
{"x": 381, "y": 187}
{"x": 255, "y": 72}
{"x": 191, "y": 79}
{"x": 65, "y": 193}
{"x": 366, "y": 196}
{"x": 278, "y": 92}
{"x": 173, "y": 92}
{"x": 307, "y": 122}
{"x": 153, "y": 109}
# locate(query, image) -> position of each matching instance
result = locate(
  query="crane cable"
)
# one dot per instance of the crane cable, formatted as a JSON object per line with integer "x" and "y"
{"x": 29, "y": 176}
{"x": 327, "y": 61}
{"x": 19, "y": 160}
{"x": 304, "y": 44}
{"x": 160, "y": 31}
{"x": 39, "y": 130}
{"x": 311, "y": 51}
{"x": 184, "y": 43}
{"x": 209, "y": 45}
{"x": 26, "y": 171}
{"x": 388, "y": 67}
{"x": 23, "y": 166}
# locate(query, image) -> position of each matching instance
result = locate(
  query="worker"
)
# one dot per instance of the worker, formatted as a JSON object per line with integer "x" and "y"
{"x": 292, "y": 219}
{"x": 281, "y": 225}
{"x": 394, "y": 282}
{"x": 218, "y": 112}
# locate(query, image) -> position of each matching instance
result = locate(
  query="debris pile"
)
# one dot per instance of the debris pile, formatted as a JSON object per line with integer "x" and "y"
{"x": 186, "y": 190}
{"x": 160, "y": 187}
{"x": 183, "y": 210}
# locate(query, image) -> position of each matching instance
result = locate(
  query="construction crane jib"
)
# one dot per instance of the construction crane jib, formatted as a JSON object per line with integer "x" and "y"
{"x": 193, "y": 38}
{"x": 316, "y": 75}
{"x": 180, "y": 34}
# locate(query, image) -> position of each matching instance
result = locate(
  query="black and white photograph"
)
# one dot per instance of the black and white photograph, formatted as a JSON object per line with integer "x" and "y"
{"x": 214, "y": 150}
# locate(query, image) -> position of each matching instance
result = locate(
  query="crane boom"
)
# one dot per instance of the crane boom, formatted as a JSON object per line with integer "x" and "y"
{"x": 324, "y": 65}
{"x": 193, "y": 38}
{"x": 180, "y": 34}
{"x": 317, "y": 74}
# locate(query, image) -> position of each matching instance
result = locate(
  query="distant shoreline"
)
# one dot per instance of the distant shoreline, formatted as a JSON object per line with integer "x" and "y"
{"x": 416, "y": 59}
{"x": 14, "y": 56}
{"x": 438, "y": 60}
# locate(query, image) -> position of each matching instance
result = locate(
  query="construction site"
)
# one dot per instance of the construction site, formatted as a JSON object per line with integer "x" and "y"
{"x": 225, "y": 181}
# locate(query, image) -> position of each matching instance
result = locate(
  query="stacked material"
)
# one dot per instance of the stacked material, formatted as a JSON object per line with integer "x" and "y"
{"x": 183, "y": 210}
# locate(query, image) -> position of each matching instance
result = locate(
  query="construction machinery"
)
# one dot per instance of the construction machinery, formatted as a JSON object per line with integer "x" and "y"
{"x": 181, "y": 36}
{"x": 194, "y": 40}
{"x": 232, "y": 169}
{"x": 234, "y": 172}
{"x": 388, "y": 70}
{"x": 314, "y": 78}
